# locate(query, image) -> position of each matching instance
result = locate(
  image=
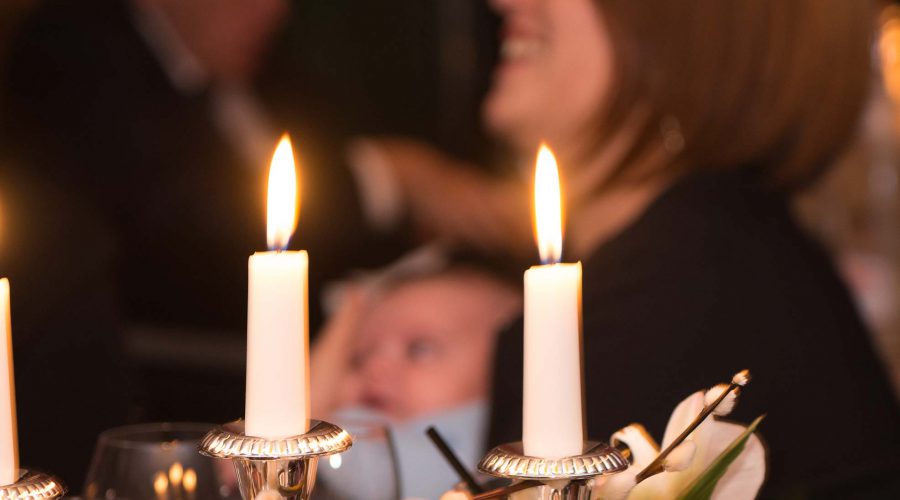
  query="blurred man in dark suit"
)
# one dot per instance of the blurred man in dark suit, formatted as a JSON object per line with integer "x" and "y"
{"x": 128, "y": 133}
{"x": 133, "y": 127}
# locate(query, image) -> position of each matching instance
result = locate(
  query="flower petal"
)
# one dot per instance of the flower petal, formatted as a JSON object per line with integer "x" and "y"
{"x": 684, "y": 414}
{"x": 745, "y": 476}
{"x": 643, "y": 447}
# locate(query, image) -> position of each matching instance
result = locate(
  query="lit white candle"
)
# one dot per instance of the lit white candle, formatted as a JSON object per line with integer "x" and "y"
{"x": 9, "y": 451}
{"x": 552, "y": 420}
{"x": 277, "y": 400}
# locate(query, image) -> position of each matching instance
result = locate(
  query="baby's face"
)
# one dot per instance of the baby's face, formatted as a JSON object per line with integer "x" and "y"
{"x": 427, "y": 345}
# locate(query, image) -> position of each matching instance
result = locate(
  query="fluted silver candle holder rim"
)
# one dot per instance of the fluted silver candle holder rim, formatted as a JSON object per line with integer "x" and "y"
{"x": 509, "y": 461}
{"x": 33, "y": 485}
{"x": 229, "y": 441}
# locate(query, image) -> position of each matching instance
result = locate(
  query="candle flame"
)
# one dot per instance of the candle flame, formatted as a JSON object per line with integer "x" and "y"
{"x": 281, "y": 205}
{"x": 160, "y": 483}
{"x": 190, "y": 480}
{"x": 547, "y": 207}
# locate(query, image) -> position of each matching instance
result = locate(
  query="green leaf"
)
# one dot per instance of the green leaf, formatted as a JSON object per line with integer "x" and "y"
{"x": 702, "y": 487}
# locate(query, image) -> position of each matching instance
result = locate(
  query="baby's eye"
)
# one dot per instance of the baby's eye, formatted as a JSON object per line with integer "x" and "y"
{"x": 421, "y": 349}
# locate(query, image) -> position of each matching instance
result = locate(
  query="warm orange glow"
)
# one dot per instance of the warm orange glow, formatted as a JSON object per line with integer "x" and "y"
{"x": 547, "y": 207}
{"x": 190, "y": 480}
{"x": 176, "y": 473}
{"x": 160, "y": 483}
{"x": 2, "y": 222}
{"x": 281, "y": 204}
{"x": 889, "y": 46}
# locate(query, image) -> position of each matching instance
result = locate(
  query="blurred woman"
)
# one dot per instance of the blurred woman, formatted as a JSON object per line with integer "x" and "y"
{"x": 682, "y": 130}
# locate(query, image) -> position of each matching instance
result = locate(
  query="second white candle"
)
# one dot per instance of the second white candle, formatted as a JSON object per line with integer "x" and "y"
{"x": 552, "y": 406}
{"x": 277, "y": 403}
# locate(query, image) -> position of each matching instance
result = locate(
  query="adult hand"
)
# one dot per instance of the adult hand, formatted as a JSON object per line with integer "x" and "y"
{"x": 452, "y": 200}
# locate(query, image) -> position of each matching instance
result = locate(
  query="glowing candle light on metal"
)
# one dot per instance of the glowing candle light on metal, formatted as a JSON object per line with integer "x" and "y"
{"x": 161, "y": 485}
{"x": 176, "y": 473}
{"x": 190, "y": 482}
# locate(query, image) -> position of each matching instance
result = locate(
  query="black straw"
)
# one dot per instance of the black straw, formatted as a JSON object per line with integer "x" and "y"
{"x": 445, "y": 450}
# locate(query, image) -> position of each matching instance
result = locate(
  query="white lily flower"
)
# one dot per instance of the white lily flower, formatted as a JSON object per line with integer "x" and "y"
{"x": 689, "y": 460}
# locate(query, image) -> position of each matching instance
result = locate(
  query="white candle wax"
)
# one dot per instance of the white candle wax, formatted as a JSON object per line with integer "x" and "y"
{"x": 552, "y": 418}
{"x": 9, "y": 455}
{"x": 277, "y": 399}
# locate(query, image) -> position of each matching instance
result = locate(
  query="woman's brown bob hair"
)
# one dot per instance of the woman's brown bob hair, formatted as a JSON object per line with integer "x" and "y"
{"x": 774, "y": 84}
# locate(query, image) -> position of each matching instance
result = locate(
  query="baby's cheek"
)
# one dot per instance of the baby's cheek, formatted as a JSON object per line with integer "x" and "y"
{"x": 352, "y": 390}
{"x": 445, "y": 386}
{"x": 426, "y": 391}
{"x": 473, "y": 364}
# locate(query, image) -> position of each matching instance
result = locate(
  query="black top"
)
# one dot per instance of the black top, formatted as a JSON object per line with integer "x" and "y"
{"x": 716, "y": 276}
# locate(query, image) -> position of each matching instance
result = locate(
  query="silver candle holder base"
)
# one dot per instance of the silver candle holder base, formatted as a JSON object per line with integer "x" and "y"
{"x": 274, "y": 469}
{"x": 568, "y": 478}
{"x": 33, "y": 485}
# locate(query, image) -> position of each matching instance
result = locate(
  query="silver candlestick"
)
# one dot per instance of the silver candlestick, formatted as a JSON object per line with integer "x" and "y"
{"x": 569, "y": 478}
{"x": 273, "y": 469}
{"x": 33, "y": 485}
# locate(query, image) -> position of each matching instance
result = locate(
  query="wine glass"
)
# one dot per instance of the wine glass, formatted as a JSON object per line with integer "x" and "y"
{"x": 367, "y": 470}
{"x": 157, "y": 461}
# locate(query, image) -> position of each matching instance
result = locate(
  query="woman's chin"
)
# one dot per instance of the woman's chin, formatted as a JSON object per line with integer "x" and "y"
{"x": 508, "y": 122}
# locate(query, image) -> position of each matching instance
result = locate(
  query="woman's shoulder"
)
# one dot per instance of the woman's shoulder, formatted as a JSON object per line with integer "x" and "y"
{"x": 713, "y": 249}
{"x": 712, "y": 225}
